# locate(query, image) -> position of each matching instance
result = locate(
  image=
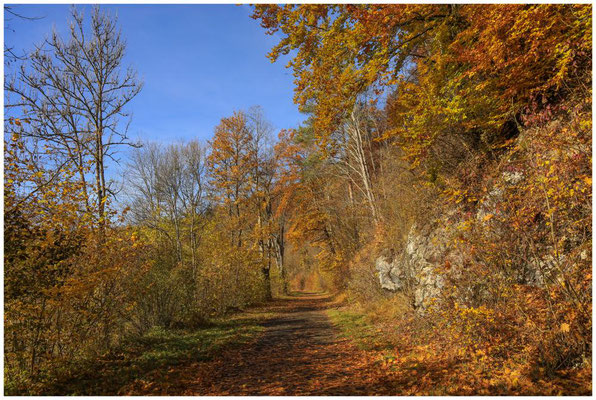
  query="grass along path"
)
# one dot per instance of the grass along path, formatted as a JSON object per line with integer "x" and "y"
{"x": 300, "y": 352}
{"x": 147, "y": 362}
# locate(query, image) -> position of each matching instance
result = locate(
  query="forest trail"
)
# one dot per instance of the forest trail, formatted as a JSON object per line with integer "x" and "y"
{"x": 299, "y": 353}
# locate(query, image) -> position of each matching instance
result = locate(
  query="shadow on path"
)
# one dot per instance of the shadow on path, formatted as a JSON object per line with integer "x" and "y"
{"x": 299, "y": 353}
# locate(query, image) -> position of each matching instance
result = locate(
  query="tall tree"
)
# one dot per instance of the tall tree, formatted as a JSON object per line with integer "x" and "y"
{"x": 230, "y": 164}
{"x": 74, "y": 92}
{"x": 263, "y": 178}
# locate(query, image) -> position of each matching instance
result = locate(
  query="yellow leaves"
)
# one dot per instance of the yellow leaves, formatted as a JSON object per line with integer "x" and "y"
{"x": 564, "y": 327}
{"x": 488, "y": 217}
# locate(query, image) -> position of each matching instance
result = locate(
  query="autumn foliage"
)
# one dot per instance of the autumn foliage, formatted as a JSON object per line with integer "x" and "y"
{"x": 485, "y": 132}
{"x": 468, "y": 126}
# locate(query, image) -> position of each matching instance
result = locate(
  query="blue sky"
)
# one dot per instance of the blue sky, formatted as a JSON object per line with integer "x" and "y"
{"x": 199, "y": 63}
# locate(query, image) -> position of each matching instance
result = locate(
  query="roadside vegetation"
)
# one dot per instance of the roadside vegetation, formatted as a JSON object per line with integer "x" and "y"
{"x": 141, "y": 362}
{"x": 417, "y": 363}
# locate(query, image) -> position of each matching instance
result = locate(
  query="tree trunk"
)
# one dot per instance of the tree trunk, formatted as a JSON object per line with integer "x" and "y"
{"x": 267, "y": 278}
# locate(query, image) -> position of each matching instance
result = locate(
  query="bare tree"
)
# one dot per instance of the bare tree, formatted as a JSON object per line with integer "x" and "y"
{"x": 167, "y": 192}
{"x": 168, "y": 185}
{"x": 73, "y": 94}
{"x": 192, "y": 193}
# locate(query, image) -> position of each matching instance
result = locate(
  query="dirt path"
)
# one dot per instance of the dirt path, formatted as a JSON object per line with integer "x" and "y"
{"x": 299, "y": 353}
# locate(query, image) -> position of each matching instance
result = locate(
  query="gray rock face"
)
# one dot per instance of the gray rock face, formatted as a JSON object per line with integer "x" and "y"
{"x": 540, "y": 272}
{"x": 512, "y": 178}
{"x": 428, "y": 289}
{"x": 415, "y": 267}
{"x": 387, "y": 276}
{"x": 419, "y": 265}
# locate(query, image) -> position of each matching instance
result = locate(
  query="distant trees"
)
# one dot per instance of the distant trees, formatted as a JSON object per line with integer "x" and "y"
{"x": 168, "y": 198}
{"x": 169, "y": 184}
{"x": 209, "y": 211}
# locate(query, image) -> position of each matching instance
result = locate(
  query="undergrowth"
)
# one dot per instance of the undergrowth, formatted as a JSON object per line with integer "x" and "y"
{"x": 152, "y": 354}
{"x": 421, "y": 360}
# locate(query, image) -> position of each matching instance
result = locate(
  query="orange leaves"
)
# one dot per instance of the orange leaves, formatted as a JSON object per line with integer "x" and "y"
{"x": 495, "y": 105}
{"x": 55, "y": 277}
{"x": 231, "y": 159}
{"x": 344, "y": 50}
{"x": 531, "y": 48}
{"x": 18, "y": 121}
{"x": 469, "y": 67}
